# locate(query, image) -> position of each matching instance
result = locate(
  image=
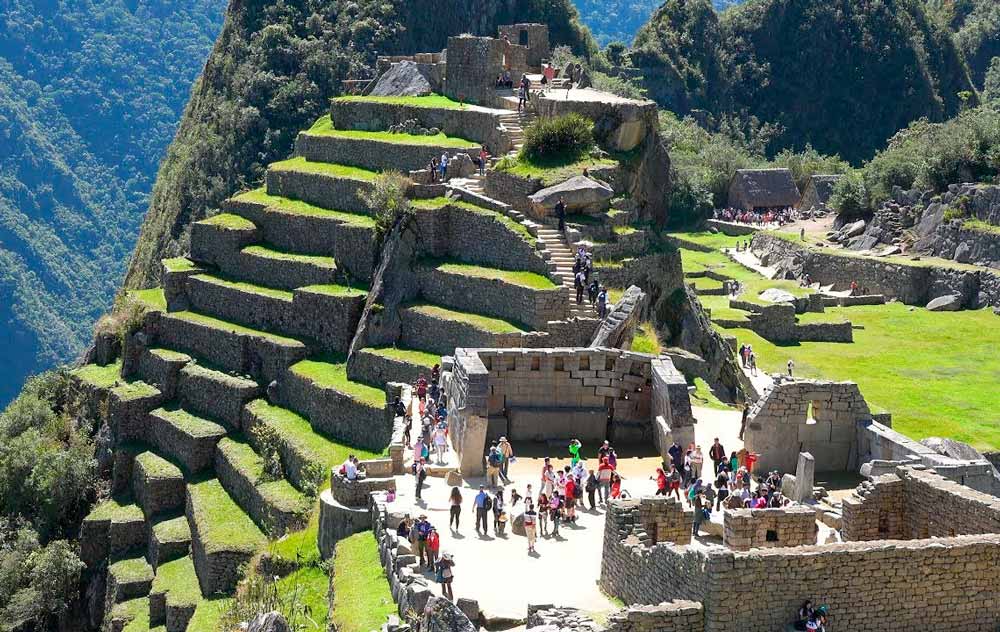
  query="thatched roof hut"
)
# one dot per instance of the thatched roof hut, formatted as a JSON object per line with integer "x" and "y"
{"x": 818, "y": 190}
{"x": 763, "y": 189}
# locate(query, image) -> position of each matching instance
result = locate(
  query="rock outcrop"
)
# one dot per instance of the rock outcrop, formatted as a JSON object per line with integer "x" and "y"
{"x": 403, "y": 79}
{"x": 580, "y": 194}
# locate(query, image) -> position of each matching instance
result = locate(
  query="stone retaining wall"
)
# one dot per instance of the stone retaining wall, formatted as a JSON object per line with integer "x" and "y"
{"x": 356, "y": 493}
{"x": 494, "y": 298}
{"x": 747, "y": 529}
{"x": 678, "y": 615}
{"x": 673, "y": 418}
{"x": 373, "y": 368}
{"x": 326, "y": 191}
{"x": 473, "y": 122}
{"x": 777, "y": 323}
{"x": 377, "y": 155}
{"x": 910, "y": 284}
{"x": 732, "y": 229}
{"x": 512, "y": 189}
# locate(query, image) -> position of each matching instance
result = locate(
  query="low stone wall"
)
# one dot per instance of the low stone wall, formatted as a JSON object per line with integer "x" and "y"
{"x": 356, "y": 493}
{"x": 910, "y": 284}
{"x": 747, "y": 529}
{"x": 621, "y": 246}
{"x": 731, "y": 228}
{"x": 373, "y": 368}
{"x": 377, "y": 155}
{"x": 493, "y": 297}
{"x": 671, "y": 616}
{"x": 475, "y": 123}
{"x": 673, "y": 418}
{"x": 777, "y": 323}
{"x": 511, "y": 189}
{"x": 327, "y": 191}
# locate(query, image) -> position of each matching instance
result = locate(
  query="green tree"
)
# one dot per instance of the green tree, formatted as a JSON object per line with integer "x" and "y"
{"x": 991, "y": 84}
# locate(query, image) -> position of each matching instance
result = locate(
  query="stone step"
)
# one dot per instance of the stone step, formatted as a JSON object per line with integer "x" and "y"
{"x": 157, "y": 484}
{"x": 128, "y": 579}
{"x": 271, "y": 501}
{"x": 174, "y": 594}
{"x": 214, "y": 394}
{"x": 306, "y": 455}
{"x": 185, "y": 438}
{"x": 235, "y": 348}
{"x": 223, "y": 537}
{"x": 350, "y": 411}
{"x": 169, "y": 539}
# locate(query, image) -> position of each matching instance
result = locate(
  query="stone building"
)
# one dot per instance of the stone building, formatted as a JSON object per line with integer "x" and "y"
{"x": 763, "y": 189}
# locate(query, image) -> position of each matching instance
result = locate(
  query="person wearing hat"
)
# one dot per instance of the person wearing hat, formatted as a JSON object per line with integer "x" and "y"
{"x": 445, "y": 575}
{"x": 507, "y": 452}
{"x": 423, "y": 529}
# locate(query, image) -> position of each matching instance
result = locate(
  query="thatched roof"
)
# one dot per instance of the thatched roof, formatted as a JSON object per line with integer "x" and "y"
{"x": 818, "y": 190}
{"x": 763, "y": 188}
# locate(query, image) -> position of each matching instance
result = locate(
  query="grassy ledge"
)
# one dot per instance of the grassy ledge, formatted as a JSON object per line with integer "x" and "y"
{"x": 431, "y": 204}
{"x": 178, "y": 580}
{"x": 229, "y": 222}
{"x": 190, "y": 424}
{"x": 152, "y": 299}
{"x": 215, "y": 323}
{"x": 222, "y": 525}
{"x": 522, "y": 278}
{"x": 486, "y": 323}
{"x": 646, "y": 340}
{"x": 333, "y": 374}
{"x": 179, "y": 264}
{"x": 242, "y": 286}
{"x": 323, "y": 168}
{"x": 117, "y": 510}
{"x": 157, "y": 467}
{"x": 430, "y": 101}
{"x": 297, "y": 207}
{"x": 362, "y": 600}
{"x": 172, "y": 530}
{"x": 412, "y": 356}
{"x": 266, "y": 252}
{"x": 333, "y": 289}
{"x": 99, "y": 376}
{"x": 279, "y": 493}
{"x": 553, "y": 171}
{"x": 131, "y": 570}
{"x": 324, "y": 127}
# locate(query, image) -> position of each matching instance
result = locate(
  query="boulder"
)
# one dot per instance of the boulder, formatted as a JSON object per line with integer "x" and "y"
{"x": 441, "y": 615}
{"x": 460, "y": 165}
{"x": 963, "y": 253}
{"x": 268, "y": 622}
{"x": 947, "y": 303}
{"x": 470, "y": 607}
{"x": 454, "y": 478}
{"x": 403, "y": 79}
{"x": 580, "y": 193}
{"x": 775, "y": 295}
{"x": 853, "y": 230}
{"x": 517, "y": 526}
{"x": 584, "y": 81}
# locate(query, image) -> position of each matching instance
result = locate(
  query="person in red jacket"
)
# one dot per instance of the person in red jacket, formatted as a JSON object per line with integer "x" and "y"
{"x": 569, "y": 501}
{"x": 661, "y": 482}
{"x": 433, "y": 547}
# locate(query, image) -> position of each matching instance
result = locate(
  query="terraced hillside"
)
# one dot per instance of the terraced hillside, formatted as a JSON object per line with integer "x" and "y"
{"x": 235, "y": 395}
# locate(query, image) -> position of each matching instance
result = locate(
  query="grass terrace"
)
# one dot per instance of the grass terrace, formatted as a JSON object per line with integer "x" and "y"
{"x": 136, "y": 612}
{"x": 243, "y": 286}
{"x": 297, "y": 207}
{"x": 179, "y": 581}
{"x": 486, "y": 323}
{"x": 190, "y": 424}
{"x": 441, "y": 202}
{"x": 323, "y": 168}
{"x": 209, "y": 321}
{"x": 152, "y": 299}
{"x": 552, "y": 172}
{"x": 280, "y": 255}
{"x": 646, "y": 340}
{"x": 208, "y": 614}
{"x": 522, "y": 278}
{"x": 221, "y": 522}
{"x": 332, "y": 373}
{"x": 179, "y": 264}
{"x": 332, "y": 289}
{"x": 229, "y": 221}
{"x": 980, "y": 226}
{"x": 362, "y": 600}
{"x": 413, "y": 356}
{"x": 99, "y": 376}
{"x": 116, "y": 510}
{"x": 132, "y": 570}
{"x": 324, "y": 127}
{"x": 428, "y": 101}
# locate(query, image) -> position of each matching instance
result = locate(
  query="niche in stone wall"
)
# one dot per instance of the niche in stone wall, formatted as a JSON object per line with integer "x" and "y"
{"x": 522, "y": 37}
{"x": 771, "y": 536}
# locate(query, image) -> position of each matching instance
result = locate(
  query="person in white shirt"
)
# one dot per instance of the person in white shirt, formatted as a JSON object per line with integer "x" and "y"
{"x": 350, "y": 469}
{"x": 440, "y": 443}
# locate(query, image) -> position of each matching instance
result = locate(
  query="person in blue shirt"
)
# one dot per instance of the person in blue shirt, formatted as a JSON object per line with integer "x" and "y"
{"x": 483, "y": 505}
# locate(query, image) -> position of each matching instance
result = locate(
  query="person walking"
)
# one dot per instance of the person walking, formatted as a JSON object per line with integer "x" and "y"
{"x": 446, "y": 575}
{"x": 699, "y": 511}
{"x": 423, "y": 529}
{"x": 493, "y": 462}
{"x": 433, "y": 548}
{"x": 791, "y": 365}
{"x": 591, "y": 487}
{"x": 506, "y": 452}
{"x": 421, "y": 474}
{"x": 529, "y": 519}
{"x": 455, "y": 511}
{"x": 697, "y": 460}
{"x": 580, "y": 283}
{"x": 499, "y": 517}
{"x": 674, "y": 482}
{"x": 604, "y": 473}
{"x": 440, "y": 438}
{"x": 574, "y": 451}
{"x": 561, "y": 214}
{"x": 661, "y": 482}
{"x": 443, "y": 165}
{"x": 543, "y": 514}
{"x": 483, "y": 157}
{"x": 746, "y": 418}
{"x": 483, "y": 505}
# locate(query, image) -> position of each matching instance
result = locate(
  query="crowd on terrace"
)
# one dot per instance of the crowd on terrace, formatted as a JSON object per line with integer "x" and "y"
{"x": 762, "y": 217}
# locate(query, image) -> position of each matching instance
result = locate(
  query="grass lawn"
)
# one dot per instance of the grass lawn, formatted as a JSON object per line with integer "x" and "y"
{"x": 412, "y": 356}
{"x": 324, "y": 127}
{"x": 178, "y": 578}
{"x": 332, "y": 373}
{"x": 362, "y": 599}
{"x": 229, "y": 221}
{"x": 208, "y": 614}
{"x": 552, "y": 171}
{"x": 243, "y": 286}
{"x": 523, "y": 278}
{"x": 153, "y": 299}
{"x": 99, "y": 376}
{"x": 429, "y": 101}
{"x": 486, "y": 323}
{"x": 936, "y": 372}
{"x": 324, "y": 168}
{"x": 309, "y": 586}
{"x": 298, "y": 207}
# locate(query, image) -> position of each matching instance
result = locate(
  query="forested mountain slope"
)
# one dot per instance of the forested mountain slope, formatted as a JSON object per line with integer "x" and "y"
{"x": 841, "y": 75}
{"x": 90, "y": 93}
{"x": 272, "y": 72}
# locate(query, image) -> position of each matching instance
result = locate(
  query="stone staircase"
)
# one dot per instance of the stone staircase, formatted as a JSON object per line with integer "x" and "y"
{"x": 563, "y": 257}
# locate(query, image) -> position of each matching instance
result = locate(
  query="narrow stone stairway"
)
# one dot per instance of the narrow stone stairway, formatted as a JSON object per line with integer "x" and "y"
{"x": 515, "y": 122}
{"x": 562, "y": 256}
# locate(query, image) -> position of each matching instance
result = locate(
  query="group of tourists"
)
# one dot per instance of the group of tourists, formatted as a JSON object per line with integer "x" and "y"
{"x": 433, "y": 438}
{"x": 756, "y": 217}
{"x": 585, "y": 281}
{"x": 811, "y": 619}
{"x": 425, "y": 544}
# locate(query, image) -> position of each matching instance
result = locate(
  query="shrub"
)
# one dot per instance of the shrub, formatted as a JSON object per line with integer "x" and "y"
{"x": 265, "y": 439}
{"x": 688, "y": 201}
{"x": 564, "y": 137}
{"x": 387, "y": 199}
{"x": 850, "y": 195}
{"x": 313, "y": 475}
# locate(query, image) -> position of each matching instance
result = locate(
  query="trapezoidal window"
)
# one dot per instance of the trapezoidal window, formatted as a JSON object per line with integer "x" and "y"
{"x": 522, "y": 37}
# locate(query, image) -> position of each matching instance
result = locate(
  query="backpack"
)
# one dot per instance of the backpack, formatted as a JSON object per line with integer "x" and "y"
{"x": 577, "y": 492}
{"x": 494, "y": 459}
{"x": 488, "y": 504}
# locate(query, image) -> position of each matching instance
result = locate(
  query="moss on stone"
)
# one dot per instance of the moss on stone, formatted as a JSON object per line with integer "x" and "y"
{"x": 229, "y": 222}
{"x": 222, "y": 525}
{"x": 298, "y": 207}
{"x": 486, "y": 323}
{"x": 324, "y": 168}
{"x": 332, "y": 373}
